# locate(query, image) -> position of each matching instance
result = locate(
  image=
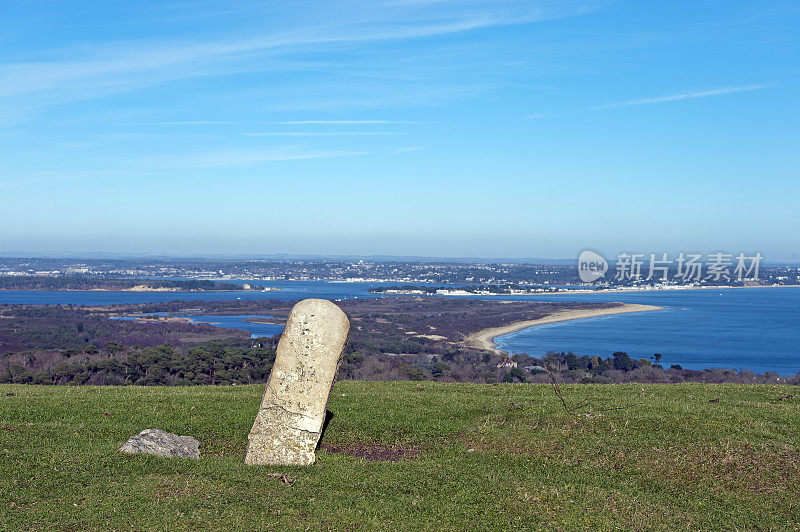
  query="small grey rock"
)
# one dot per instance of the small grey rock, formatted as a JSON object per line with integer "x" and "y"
{"x": 158, "y": 442}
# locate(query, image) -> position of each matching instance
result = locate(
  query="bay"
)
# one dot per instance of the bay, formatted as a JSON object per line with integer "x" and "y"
{"x": 750, "y": 328}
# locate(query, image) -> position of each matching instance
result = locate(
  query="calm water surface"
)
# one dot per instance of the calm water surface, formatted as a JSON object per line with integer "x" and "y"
{"x": 256, "y": 330}
{"x": 754, "y": 329}
{"x": 289, "y": 291}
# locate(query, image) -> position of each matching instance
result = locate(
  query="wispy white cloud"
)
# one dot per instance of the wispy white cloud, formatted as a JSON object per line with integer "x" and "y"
{"x": 684, "y": 96}
{"x": 237, "y": 157}
{"x": 340, "y": 122}
{"x": 180, "y": 123}
{"x": 320, "y": 133}
{"x": 404, "y": 149}
{"x": 391, "y": 96}
{"x": 99, "y": 168}
{"x": 84, "y": 71}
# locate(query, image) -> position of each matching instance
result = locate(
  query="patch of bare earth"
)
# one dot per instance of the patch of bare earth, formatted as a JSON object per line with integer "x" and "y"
{"x": 374, "y": 451}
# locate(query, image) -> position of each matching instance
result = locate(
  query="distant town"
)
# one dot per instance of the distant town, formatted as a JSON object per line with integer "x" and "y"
{"x": 408, "y": 277}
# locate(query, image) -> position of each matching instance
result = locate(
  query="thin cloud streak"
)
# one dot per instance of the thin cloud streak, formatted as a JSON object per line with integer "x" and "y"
{"x": 340, "y": 122}
{"x": 684, "y": 96}
{"x": 320, "y": 133}
{"x": 404, "y": 149}
{"x": 116, "y": 59}
{"x": 118, "y": 67}
{"x": 184, "y": 123}
{"x": 243, "y": 157}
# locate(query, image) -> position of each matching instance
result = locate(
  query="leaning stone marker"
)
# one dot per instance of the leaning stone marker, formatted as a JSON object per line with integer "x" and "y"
{"x": 158, "y": 442}
{"x": 288, "y": 425}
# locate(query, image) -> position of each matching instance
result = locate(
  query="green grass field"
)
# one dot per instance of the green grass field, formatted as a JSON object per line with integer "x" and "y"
{"x": 466, "y": 456}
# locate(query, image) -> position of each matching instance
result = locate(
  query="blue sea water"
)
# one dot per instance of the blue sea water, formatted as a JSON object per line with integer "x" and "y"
{"x": 289, "y": 291}
{"x": 256, "y": 330}
{"x": 755, "y": 329}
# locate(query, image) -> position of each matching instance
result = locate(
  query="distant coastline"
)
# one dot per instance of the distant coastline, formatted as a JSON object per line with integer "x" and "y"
{"x": 484, "y": 339}
{"x": 664, "y": 289}
{"x": 568, "y": 291}
{"x": 131, "y": 289}
{"x": 77, "y": 283}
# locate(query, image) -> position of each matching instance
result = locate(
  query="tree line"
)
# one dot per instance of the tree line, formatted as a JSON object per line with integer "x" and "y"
{"x": 164, "y": 365}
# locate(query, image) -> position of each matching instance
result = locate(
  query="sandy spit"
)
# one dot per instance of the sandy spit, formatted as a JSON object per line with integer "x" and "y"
{"x": 484, "y": 339}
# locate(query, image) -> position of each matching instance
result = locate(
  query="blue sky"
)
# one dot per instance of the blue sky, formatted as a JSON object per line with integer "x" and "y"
{"x": 413, "y": 127}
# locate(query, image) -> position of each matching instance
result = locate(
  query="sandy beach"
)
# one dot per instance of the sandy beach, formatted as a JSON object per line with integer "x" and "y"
{"x": 485, "y": 339}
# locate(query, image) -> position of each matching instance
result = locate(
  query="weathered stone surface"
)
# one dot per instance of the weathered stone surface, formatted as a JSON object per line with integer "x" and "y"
{"x": 158, "y": 442}
{"x": 288, "y": 425}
